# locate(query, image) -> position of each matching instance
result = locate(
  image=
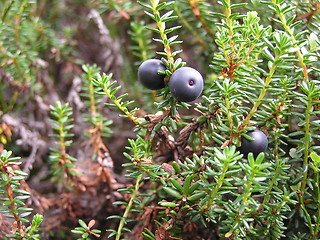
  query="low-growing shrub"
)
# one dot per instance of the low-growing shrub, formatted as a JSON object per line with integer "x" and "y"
{"x": 183, "y": 119}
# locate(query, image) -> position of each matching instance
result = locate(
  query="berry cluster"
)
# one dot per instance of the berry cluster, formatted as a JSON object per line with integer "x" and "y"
{"x": 185, "y": 84}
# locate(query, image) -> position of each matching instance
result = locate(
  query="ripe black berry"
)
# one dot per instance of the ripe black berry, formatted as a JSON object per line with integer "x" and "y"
{"x": 186, "y": 84}
{"x": 258, "y": 145}
{"x": 148, "y": 74}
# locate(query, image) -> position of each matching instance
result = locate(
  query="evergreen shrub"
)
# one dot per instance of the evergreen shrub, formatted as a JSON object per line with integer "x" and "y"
{"x": 94, "y": 147}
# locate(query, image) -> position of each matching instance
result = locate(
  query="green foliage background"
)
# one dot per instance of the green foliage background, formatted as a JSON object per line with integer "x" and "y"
{"x": 83, "y": 143}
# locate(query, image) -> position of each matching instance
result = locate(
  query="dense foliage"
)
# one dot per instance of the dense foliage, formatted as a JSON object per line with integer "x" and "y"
{"x": 83, "y": 142}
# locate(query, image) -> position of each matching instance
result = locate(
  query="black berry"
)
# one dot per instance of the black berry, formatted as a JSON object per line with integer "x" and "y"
{"x": 186, "y": 84}
{"x": 148, "y": 74}
{"x": 258, "y": 145}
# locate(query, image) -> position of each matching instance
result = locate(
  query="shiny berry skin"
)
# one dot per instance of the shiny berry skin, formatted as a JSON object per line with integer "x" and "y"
{"x": 258, "y": 145}
{"x": 148, "y": 74}
{"x": 186, "y": 84}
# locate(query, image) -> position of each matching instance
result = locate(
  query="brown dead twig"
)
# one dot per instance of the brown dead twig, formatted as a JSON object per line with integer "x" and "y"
{"x": 165, "y": 142}
{"x": 315, "y": 9}
{"x": 111, "y": 47}
{"x": 162, "y": 232}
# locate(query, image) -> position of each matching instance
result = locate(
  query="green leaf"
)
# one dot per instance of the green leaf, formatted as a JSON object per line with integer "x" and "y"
{"x": 85, "y": 235}
{"x": 315, "y": 157}
{"x": 77, "y": 231}
{"x": 172, "y": 192}
{"x": 82, "y": 224}
{"x": 25, "y": 214}
{"x": 193, "y": 187}
{"x": 176, "y": 184}
{"x": 20, "y": 191}
{"x": 187, "y": 183}
{"x": 176, "y": 167}
{"x": 120, "y": 203}
{"x": 197, "y": 196}
{"x": 167, "y": 204}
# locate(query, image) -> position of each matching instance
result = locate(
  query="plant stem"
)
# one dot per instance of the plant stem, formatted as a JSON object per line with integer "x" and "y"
{"x": 306, "y": 213}
{"x": 218, "y": 185}
{"x": 229, "y": 23}
{"x": 317, "y": 188}
{"x": 9, "y": 192}
{"x": 161, "y": 26}
{"x": 306, "y": 164}
{"x": 306, "y": 142}
{"x": 118, "y": 105}
{"x": 294, "y": 40}
{"x": 129, "y": 206}
{"x": 17, "y": 20}
{"x": 247, "y": 54}
{"x": 197, "y": 14}
{"x": 261, "y": 96}
{"x": 229, "y": 113}
{"x": 63, "y": 154}
{"x": 272, "y": 183}
{"x": 187, "y": 25}
{"x": 307, "y": 124}
{"x": 5, "y": 11}
{"x": 141, "y": 45}
{"x": 61, "y": 139}
{"x": 3, "y": 103}
{"x": 92, "y": 100}
{"x": 247, "y": 194}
